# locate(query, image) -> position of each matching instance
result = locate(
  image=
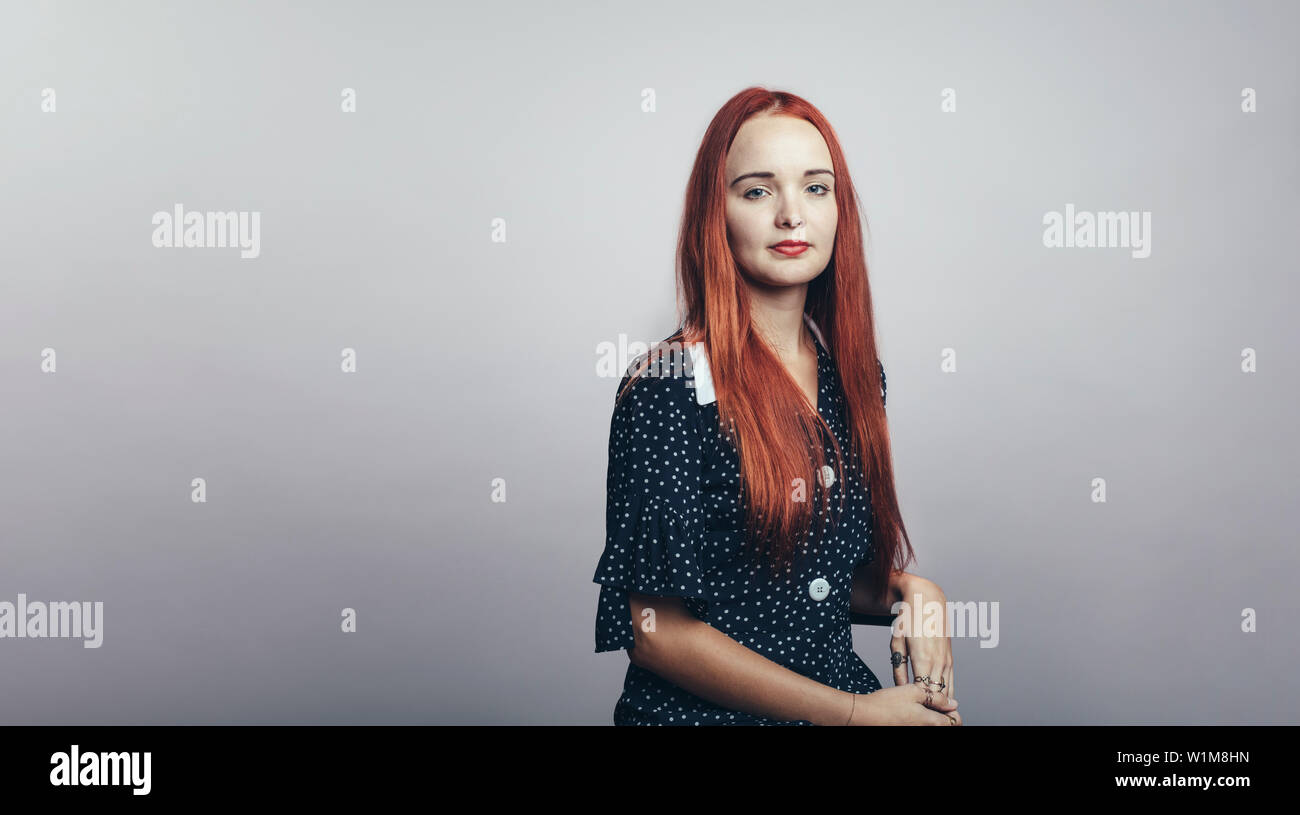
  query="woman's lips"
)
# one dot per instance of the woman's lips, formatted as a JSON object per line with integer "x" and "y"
{"x": 790, "y": 250}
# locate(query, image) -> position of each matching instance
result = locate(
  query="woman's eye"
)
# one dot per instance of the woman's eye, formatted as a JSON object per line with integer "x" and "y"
{"x": 825, "y": 191}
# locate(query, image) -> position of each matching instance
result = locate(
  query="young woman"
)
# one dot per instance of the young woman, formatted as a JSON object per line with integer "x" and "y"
{"x": 742, "y": 527}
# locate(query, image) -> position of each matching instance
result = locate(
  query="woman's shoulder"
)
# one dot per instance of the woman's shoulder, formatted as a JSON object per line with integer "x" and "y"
{"x": 656, "y": 420}
{"x": 668, "y": 375}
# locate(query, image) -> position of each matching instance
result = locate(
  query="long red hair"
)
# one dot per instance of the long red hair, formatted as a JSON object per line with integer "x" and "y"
{"x": 760, "y": 407}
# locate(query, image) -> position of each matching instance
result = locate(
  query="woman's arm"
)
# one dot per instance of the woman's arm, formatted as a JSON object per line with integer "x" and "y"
{"x": 695, "y": 656}
{"x": 862, "y": 601}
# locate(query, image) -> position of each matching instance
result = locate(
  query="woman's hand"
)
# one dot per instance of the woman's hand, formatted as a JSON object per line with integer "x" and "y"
{"x": 904, "y": 705}
{"x": 929, "y": 652}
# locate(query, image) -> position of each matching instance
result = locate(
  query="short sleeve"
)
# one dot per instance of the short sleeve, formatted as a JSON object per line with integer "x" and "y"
{"x": 653, "y": 504}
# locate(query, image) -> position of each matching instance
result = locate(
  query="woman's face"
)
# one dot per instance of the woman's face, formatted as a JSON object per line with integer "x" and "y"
{"x": 780, "y": 188}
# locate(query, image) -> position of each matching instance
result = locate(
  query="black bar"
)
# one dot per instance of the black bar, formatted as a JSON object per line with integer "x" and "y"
{"x": 332, "y": 764}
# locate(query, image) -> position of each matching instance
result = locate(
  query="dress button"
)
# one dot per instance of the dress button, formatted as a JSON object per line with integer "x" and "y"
{"x": 828, "y": 475}
{"x": 818, "y": 589}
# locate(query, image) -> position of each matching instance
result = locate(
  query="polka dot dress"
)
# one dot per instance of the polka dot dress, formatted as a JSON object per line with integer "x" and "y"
{"x": 674, "y": 528}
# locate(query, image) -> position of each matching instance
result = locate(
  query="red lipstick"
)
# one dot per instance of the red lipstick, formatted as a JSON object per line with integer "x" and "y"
{"x": 790, "y": 248}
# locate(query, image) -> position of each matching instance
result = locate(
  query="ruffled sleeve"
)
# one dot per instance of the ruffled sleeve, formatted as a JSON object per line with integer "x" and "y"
{"x": 653, "y": 505}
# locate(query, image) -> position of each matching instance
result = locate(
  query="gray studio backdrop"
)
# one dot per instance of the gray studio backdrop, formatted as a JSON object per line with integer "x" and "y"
{"x": 499, "y": 204}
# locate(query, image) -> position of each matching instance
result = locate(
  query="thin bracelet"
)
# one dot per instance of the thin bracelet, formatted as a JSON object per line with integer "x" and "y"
{"x": 855, "y": 707}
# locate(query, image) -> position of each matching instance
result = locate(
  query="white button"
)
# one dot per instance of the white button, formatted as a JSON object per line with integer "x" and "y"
{"x": 818, "y": 589}
{"x": 828, "y": 475}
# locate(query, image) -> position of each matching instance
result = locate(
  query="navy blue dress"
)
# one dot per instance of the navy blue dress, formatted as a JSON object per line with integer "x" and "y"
{"x": 674, "y": 528}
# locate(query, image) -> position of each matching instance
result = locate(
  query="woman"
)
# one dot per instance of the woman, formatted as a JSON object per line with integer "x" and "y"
{"x": 742, "y": 531}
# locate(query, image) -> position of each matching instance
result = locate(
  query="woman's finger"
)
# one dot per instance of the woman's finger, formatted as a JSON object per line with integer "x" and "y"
{"x": 939, "y": 708}
{"x": 923, "y": 667}
{"x": 942, "y": 718}
{"x": 935, "y": 700}
{"x": 898, "y": 644}
{"x": 940, "y": 678}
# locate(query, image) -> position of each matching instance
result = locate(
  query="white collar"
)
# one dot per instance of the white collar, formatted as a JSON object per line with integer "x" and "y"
{"x": 704, "y": 394}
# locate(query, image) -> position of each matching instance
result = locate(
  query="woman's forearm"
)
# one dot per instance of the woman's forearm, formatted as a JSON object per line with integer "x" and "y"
{"x": 862, "y": 600}
{"x": 703, "y": 660}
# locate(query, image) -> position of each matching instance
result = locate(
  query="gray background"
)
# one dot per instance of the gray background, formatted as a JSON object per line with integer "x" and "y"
{"x": 477, "y": 359}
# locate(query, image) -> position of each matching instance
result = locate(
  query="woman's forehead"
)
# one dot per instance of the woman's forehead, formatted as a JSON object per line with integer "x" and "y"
{"x": 783, "y": 144}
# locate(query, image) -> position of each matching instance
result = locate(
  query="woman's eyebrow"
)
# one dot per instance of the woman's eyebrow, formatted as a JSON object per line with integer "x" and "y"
{"x": 766, "y": 174}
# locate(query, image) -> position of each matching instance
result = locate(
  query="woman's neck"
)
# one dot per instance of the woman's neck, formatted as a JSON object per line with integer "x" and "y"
{"x": 779, "y": 320}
